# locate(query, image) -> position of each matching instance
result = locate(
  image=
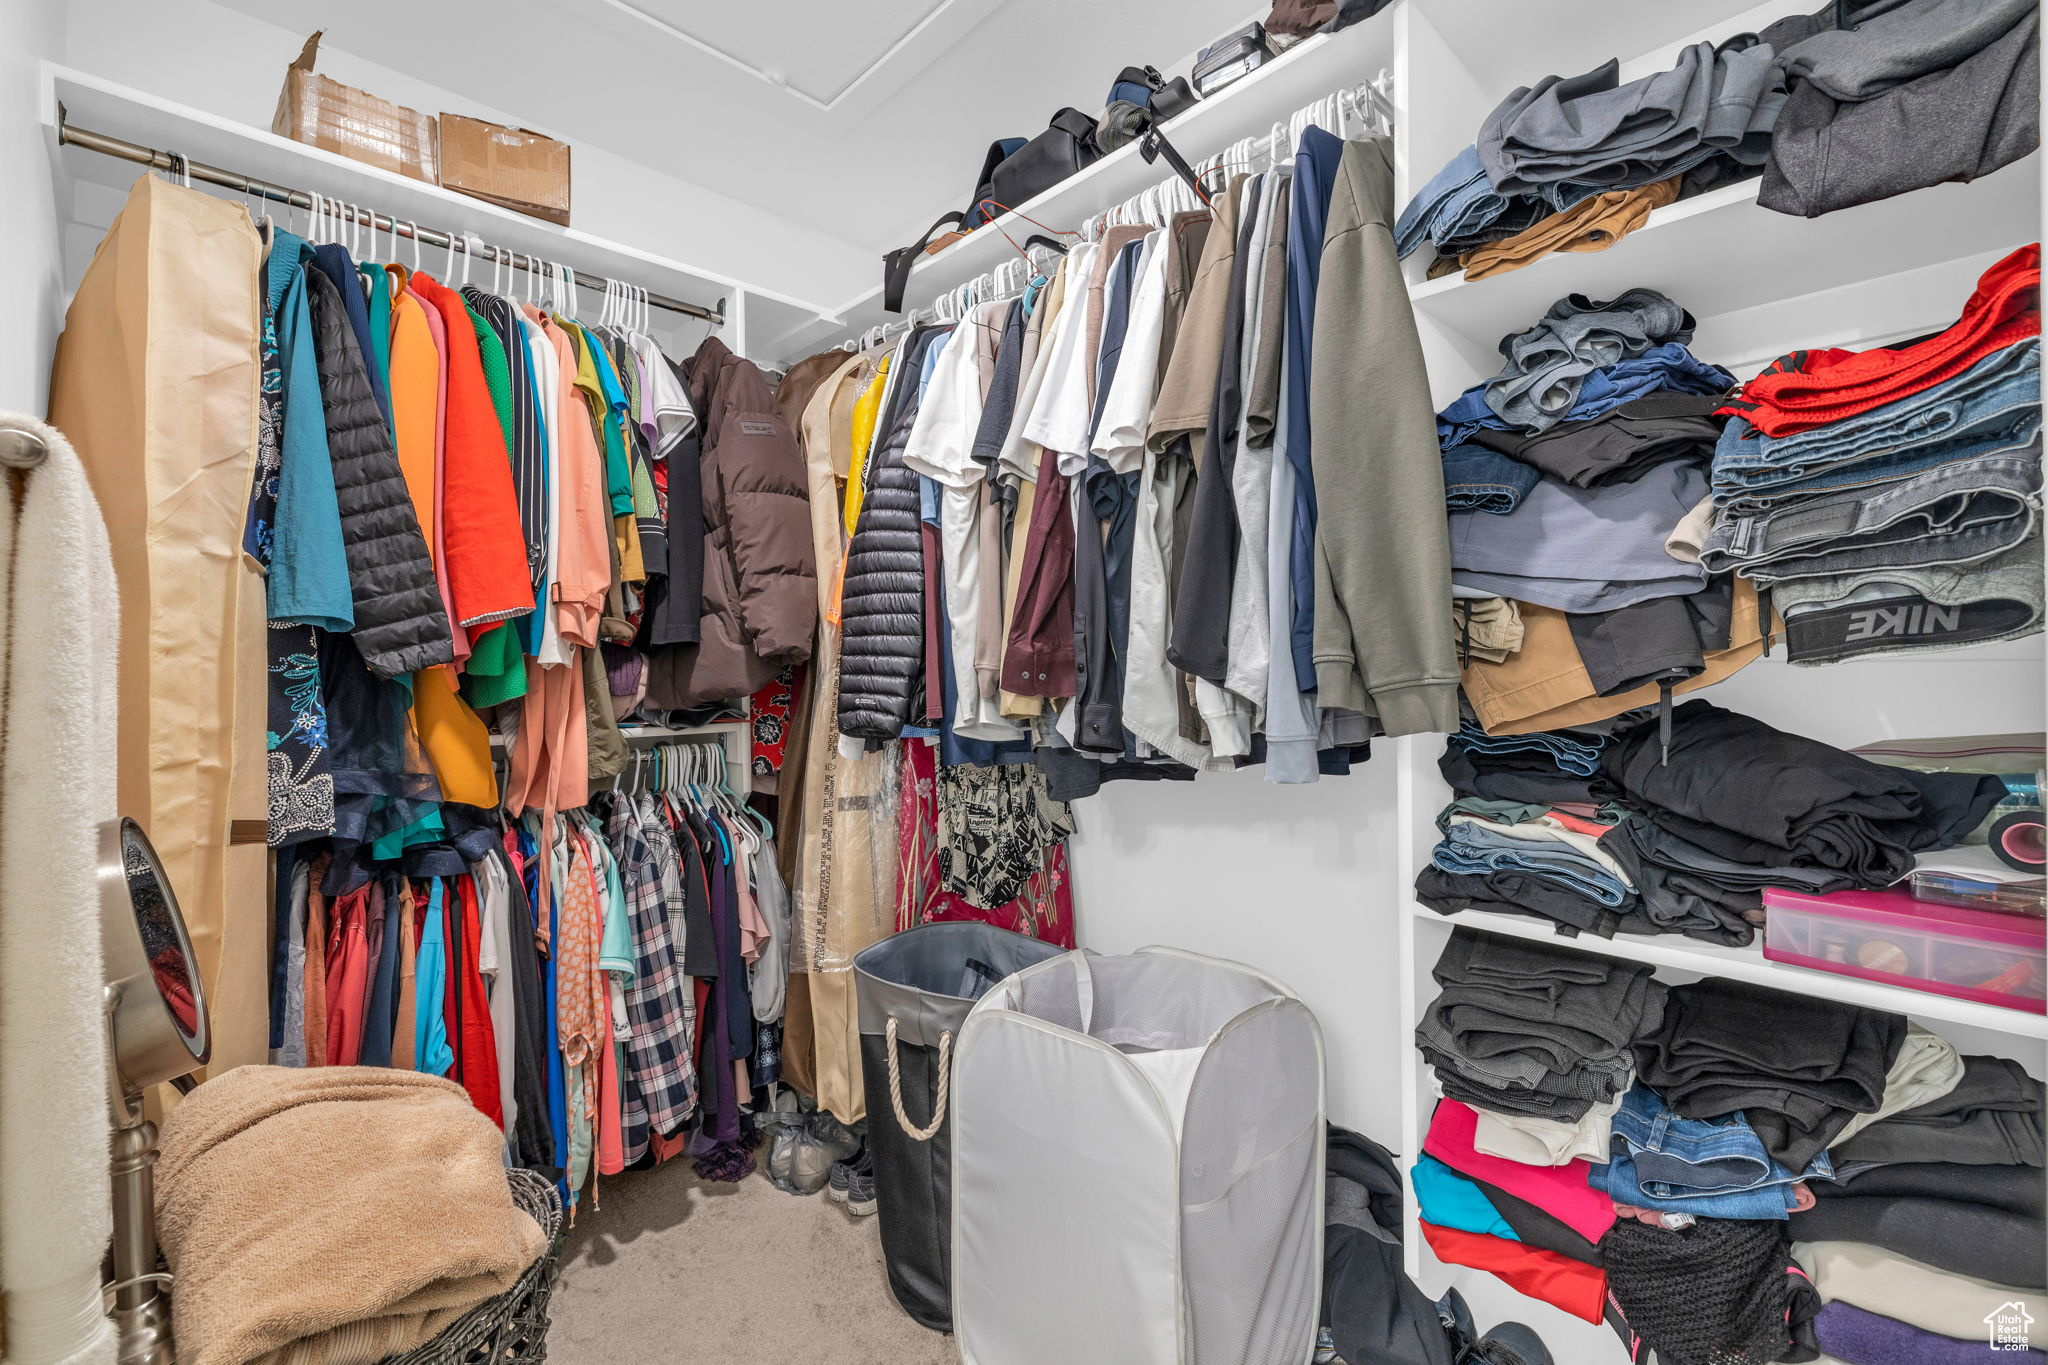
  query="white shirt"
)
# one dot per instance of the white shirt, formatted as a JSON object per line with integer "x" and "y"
{"x": 941, "y": 447}
{"x": 1060, "y": 409}
{"x": 1020, "y": 452}
{"x": 1120, "y": 432}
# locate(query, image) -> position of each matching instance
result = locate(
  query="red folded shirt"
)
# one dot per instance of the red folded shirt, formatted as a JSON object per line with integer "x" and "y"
{"x": 1559, "y": 1281}
{"x": 1808, "y": 389}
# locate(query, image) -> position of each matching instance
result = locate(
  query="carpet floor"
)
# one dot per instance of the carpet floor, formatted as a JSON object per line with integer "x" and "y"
{"x": 678, "y": 1269}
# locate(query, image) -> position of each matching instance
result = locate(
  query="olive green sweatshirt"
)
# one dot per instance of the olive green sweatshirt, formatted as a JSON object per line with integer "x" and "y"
{"x": 1383, "y": 635}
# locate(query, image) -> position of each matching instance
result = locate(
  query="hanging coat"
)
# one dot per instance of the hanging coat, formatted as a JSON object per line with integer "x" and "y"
{"x": 760, "y": 575}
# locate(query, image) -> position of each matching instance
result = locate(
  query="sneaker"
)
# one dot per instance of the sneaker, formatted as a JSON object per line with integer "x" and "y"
{"x": 838, "y": 1182}
{"x": 860, "y": 1185}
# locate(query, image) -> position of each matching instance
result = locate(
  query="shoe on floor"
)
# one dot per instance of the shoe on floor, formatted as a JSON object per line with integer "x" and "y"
{"x": 860, "y": 1185}
{"x": 837, "y": 1183}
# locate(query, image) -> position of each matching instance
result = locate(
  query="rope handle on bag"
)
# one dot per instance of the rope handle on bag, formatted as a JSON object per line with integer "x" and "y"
{"x": 939, "y": 1101}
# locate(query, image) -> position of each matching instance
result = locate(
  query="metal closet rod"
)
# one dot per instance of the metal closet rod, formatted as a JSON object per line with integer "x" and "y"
{"x": 68, "y": 134}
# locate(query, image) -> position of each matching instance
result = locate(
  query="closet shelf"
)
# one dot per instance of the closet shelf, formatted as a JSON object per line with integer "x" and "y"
{"x": 1721, "y": 252}
{"x": 122, "y": 111}
{"x": 1749, "y": 964}
{"x": 1249, "y": 107}
{"x": 656, "y": 734}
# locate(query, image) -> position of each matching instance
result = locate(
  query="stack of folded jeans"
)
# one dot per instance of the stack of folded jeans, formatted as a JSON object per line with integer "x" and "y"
{"x": 1523, "y": 836}
{"x": 1889, "y": 96}
{"x": 1890, "y": 498}
{"x": 1543, "y": 847}
{"x": 1796, "y": 1067}
{"x": 1710, "y": 1168}
{"x": 1523, "y": 1028}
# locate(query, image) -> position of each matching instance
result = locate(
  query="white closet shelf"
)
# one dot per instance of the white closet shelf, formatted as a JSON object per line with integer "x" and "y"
{"x": 1248, "y": 107}
{"x": 122, "y": 111}
{"x": 1721, "y": 252}
{"x": 1749, "y": 964}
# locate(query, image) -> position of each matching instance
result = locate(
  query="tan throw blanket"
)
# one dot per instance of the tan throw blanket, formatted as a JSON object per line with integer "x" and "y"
{"x": 331, "y": 1216}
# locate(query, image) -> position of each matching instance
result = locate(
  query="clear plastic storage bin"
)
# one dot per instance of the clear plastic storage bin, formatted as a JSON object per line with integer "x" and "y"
{"x": 1888, "y": 936}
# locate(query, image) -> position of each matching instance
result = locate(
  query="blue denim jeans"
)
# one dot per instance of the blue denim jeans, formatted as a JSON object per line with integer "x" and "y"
{"x": 1458, "y": 200}
{"x": 1958, "y": 513}
{"x": 1480, "y": 480}
{"x": 1708, "y": 1167}
{"x": 1621, "y": 1180}
{"x": 1993, "y": 406}
{"x": 1469, "y": 848}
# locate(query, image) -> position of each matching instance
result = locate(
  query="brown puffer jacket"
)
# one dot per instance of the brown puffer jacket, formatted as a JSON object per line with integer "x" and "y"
{"x": 760, "y": 574}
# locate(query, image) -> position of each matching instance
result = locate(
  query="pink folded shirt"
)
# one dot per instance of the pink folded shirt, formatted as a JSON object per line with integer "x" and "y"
{"x": 1560, "y": 1191}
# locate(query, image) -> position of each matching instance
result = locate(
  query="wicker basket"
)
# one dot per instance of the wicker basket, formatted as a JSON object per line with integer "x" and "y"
{"x": 513, "y": 1327}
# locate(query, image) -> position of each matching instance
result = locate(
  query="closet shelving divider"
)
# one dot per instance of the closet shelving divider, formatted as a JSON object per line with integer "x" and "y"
{"x": 1759, "y": 283}
{"x": 95, "y": 184}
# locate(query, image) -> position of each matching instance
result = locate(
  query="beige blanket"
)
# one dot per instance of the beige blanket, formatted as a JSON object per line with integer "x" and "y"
{"x": 331, "y": 1216}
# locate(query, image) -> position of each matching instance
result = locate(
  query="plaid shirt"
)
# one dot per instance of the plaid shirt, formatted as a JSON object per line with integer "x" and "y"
{"x": 659, "y": 1006}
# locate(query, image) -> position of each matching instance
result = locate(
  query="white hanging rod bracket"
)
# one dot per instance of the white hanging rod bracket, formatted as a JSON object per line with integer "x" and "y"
{"x": 68, "y": 135}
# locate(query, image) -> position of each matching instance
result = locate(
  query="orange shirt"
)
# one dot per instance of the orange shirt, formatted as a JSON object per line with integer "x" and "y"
{"x": 583, "y": 569}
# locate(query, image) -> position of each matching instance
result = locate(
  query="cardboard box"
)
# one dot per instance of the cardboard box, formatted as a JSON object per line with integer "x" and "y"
{"x": 322, "y": 112}
{"x": 512, "y": 167}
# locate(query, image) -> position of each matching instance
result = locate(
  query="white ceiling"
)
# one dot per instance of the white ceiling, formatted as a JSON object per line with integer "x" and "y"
{"x": 863, "y": 118}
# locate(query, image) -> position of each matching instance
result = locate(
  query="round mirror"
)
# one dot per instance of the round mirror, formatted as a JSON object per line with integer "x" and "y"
{"x": 156, "y": 1005}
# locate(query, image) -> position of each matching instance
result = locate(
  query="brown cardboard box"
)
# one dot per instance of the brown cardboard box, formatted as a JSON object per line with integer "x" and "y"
{"x": 512, "y": 167}
{"x": 323, "y": 112}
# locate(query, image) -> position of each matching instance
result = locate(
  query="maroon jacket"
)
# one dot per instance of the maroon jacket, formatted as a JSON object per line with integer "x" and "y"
{"x": 760, "y": 574}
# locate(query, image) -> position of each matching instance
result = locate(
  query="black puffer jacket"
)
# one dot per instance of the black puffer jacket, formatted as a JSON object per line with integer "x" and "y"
{"x": 881, "y": 641}
{"x": 401, "y": 626}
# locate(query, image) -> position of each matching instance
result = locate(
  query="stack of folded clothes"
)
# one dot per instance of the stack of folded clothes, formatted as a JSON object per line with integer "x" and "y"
{"x": 1861, "y": 100}
{"x": 1575, "y": 164}
{"x": 1524, "y": 1028}
{"x": 1680, "y": 840}
{"x": 1797, "y": 1068}
{"x": 1937, "y": 1204}
{"x": 1735, "y": 805}
{"x": 1576, "y": 487}
{"x": 1583, "y": 358}
{"x": 1889, "y": 499}
{"x": 1537, "y": 1228}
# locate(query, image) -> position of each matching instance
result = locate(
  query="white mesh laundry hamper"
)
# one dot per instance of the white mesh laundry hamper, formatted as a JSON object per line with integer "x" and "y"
{"x": 1137, "y": 1166}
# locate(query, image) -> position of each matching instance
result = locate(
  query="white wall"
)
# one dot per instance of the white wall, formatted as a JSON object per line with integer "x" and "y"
{"x": 30, "y": 280}
{"x": 228, "y": 63}
{"x": 1296, "y": 881}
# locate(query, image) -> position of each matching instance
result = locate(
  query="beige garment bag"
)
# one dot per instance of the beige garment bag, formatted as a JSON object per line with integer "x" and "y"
{"x": 156, "y": 385}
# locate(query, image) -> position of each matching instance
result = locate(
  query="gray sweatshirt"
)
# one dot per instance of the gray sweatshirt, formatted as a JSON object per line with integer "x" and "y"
{"x": 1384, "y": 643}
